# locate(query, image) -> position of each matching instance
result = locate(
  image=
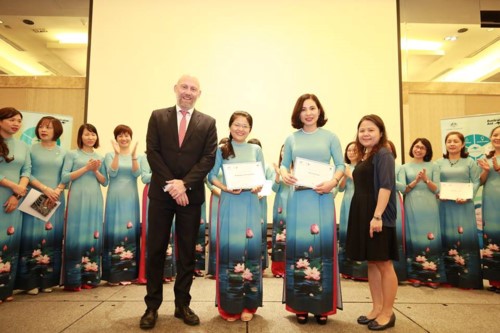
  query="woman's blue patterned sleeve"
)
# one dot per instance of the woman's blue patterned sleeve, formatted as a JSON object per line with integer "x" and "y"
{"x": 216, "y": 168}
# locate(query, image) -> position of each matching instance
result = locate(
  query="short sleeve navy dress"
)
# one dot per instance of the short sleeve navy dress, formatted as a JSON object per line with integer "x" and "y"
{"x": 383, "y": 245}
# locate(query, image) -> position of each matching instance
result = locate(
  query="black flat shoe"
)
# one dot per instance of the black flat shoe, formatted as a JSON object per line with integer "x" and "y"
{"x": 364, "y": 320}
{"x": 148, "y": 319}
{"x": 186, "y": 314}
{"x": 374, "y": 326}
{"x": 302, "y": 318}
{"x": 491, "y": 288}
{"x": 321, "y": 319}
{"x": 198, "y": 274}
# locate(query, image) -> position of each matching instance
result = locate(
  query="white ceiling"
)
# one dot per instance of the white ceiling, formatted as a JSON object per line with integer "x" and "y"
{"x": 433, "y": 20}
{"x": 429, "y": 20}
{"x": 38, "y": 53}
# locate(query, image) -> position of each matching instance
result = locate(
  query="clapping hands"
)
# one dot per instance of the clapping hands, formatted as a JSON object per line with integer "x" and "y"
{"x": 93, "y": 165}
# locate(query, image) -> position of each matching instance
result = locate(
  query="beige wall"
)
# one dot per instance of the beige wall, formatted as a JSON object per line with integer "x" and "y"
{"x": 257, "y": 56}
{"x": 425, "y": 104}
{"x": 47, "y": 94}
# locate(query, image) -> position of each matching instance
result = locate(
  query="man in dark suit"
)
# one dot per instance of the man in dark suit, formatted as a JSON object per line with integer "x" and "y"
{"x": 180, "y": 145}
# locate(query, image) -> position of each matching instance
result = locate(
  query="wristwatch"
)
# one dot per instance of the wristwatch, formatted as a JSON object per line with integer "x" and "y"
{"x": 377, "y": 217}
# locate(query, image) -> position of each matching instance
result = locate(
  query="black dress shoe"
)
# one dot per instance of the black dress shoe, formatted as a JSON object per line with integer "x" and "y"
{"x": 186, "y": 314}
{"x": 364, "y": 320}
{"x": 374, "y": 326}
{"x": 198, "y": 273}
{"x": 148, "y": 319}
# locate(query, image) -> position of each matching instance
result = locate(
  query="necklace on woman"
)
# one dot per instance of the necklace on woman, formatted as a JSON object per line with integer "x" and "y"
{"x": 453, "y": 163}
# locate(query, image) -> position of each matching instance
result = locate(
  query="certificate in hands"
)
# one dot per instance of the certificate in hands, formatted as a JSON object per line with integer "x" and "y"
{"x": 39, "y": 205}
{"x": 311, "y": 173}
{"x": 454, "y": 191}
{"x": 243, "y": 176}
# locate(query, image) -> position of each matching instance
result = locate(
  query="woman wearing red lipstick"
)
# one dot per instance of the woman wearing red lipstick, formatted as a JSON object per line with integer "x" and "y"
{"x": 311, "y": 278}
{"x": 121, "y": 222}
{"x": 41, "y": 242}
{"x": 371, "y": 230}
{"x": 15, "y": 169}
{"x": 458, "y": 217}
{"x": 86, "y": 171}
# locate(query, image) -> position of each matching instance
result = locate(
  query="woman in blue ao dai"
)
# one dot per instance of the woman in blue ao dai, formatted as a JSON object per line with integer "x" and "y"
{"x": 41, "y": 244}
{"x": 122, "y": 215}
{"x": 270, "y": 175}
{"x": 400, "y": 264}
{"x": 458, "y": 217}
{"x": 424, "y": 251}
{"x": 213, "y": 212}
{"x": 200, "y": 257}
{"x": 357, "y": 270}
{"x": 239, "y": 264}
{"x": 312, "y": 276}
{"x": 169, "y": 270}
{"x": 279, "y": 221}
{"x": 15, "y": 169}
{"x": 490, "y": 177}
{"x": 84, "y": 214}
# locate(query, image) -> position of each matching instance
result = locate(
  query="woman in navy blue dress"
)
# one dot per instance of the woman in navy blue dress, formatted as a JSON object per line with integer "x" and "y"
{"x": 371, "y": 232}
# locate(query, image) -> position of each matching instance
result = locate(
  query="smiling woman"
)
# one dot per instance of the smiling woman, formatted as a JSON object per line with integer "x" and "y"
{"x": 239, "y": 237}
{"x": 15, "y": 170}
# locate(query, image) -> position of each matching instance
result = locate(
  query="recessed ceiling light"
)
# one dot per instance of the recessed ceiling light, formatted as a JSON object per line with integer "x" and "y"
{"x": 451, "y": 38}
{"x": 1, "y": 22}
{"x": 72, "y": 38}
{"x": 420, "y": 45}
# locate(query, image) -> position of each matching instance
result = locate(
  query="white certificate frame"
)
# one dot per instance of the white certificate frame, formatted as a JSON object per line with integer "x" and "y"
{"x": 267, "y": 188}
{"x": 454, "y": 191}
{"x": 243, "y": 176}
{"x": 30, "y": 198}
{"x": 310, "y": 173}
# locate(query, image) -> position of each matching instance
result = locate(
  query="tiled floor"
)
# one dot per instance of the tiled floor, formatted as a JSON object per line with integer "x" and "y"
{"x": 118, "y": 309}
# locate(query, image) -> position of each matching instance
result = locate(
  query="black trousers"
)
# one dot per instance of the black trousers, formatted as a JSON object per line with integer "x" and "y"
{"x": 187, "y": 224}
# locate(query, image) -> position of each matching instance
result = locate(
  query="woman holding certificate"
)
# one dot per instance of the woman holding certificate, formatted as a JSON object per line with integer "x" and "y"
{"x": 457, "y": 214}
{"x": 15, "y": 169}
{"x": 312, "y": 277}
{"x": 239, "y": 265}
{"x": 41, "y": 244}
{"x": 371, "y": 231}
{"x": 85, "y": 169}
{"x": 490, "y": 177}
